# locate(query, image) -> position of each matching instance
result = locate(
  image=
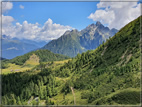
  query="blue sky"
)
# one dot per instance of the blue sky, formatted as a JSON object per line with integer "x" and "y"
{"x": 44, "y": 21}
{"x": 73, "y": 14}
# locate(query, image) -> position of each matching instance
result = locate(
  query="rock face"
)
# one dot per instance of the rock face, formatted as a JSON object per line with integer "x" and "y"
{"x": 73, "y": 42}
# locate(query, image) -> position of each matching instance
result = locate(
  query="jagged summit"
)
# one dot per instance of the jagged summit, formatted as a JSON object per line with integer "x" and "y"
{"x": 98, "y": 23}
{"x": 74, "y": 30}
{"x": 67, "y": 32}
{"x": 70, "y": 31}
{"x": 92, "y": 25}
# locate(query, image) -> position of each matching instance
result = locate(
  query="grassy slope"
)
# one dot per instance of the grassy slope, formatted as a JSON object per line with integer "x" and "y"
{"x": 16, "y": 68}
{"x": 28, "y": 65}
{"x": 119, "y": 53}
{"x": 44, "y": 56}
{"x": 30, "y": 60}
{"x": 121, "y": 97}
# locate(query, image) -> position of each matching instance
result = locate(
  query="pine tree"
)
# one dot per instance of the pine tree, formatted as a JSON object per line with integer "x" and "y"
{"x": 44, "y": 79}
{"x": 47, "y": 100}
{"x": 36, "y": 89}
{"x": 4, "y": 100}
{"x": 44, "y": 92}
{"x": 49, "y": 92}
{"x": 28, "y": 93}
{"x": 18, "y": 101}
{"x": 13, "y": 102}
{"x": 41, "y": 93}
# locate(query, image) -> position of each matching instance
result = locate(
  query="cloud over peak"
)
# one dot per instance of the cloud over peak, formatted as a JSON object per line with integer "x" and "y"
{"x": 116, "y": 14}
{"x": 27, "y": 30}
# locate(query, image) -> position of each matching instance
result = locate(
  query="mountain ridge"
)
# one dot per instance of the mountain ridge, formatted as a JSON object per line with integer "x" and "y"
{"x": 73, "y": 42}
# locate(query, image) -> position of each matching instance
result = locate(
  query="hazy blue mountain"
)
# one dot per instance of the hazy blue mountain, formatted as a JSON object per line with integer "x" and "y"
{"x": 2, "y": 58}
{"x": 12, "y": 47}
{"x": 73, "y": 42}
{"x": 36, "y": 43}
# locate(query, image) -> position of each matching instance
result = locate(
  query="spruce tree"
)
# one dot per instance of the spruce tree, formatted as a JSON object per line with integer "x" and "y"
{"x": 18, "y": 101}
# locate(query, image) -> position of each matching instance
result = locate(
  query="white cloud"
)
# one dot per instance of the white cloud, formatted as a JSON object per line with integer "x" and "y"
{"x": 27, "y": 30}
{"x": 104, "y": 13}
{"x": 116, "y": 14}
{"x": 48, "y": 31}
{"x": 6, "y": 23}
{"x": 6, "y": 6}
{"x": 6, "y": 20}
{"x": 12, "y": 48}
{"x": 21, "y": 7}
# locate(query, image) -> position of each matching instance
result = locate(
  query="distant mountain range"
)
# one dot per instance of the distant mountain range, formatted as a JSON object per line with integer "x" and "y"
{"x": 73, "y": 42}
{"x": 12, "y": 47}
{"x": 70, "y": 43}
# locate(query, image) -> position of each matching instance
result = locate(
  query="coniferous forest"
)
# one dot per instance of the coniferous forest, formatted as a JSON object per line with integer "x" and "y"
{"x": 108, "y": 75}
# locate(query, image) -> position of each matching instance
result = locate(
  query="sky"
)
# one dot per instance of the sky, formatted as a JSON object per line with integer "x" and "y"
{"x": 44, "y": 21}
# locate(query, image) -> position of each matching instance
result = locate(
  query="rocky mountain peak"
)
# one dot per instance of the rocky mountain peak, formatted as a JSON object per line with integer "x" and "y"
{"x": 74, "y": 30}
{"x": 67, "y": 32}
{"x": 91, "y": 26}
{"x": 79, "y": 41}
{"x": 98, "y": 23}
